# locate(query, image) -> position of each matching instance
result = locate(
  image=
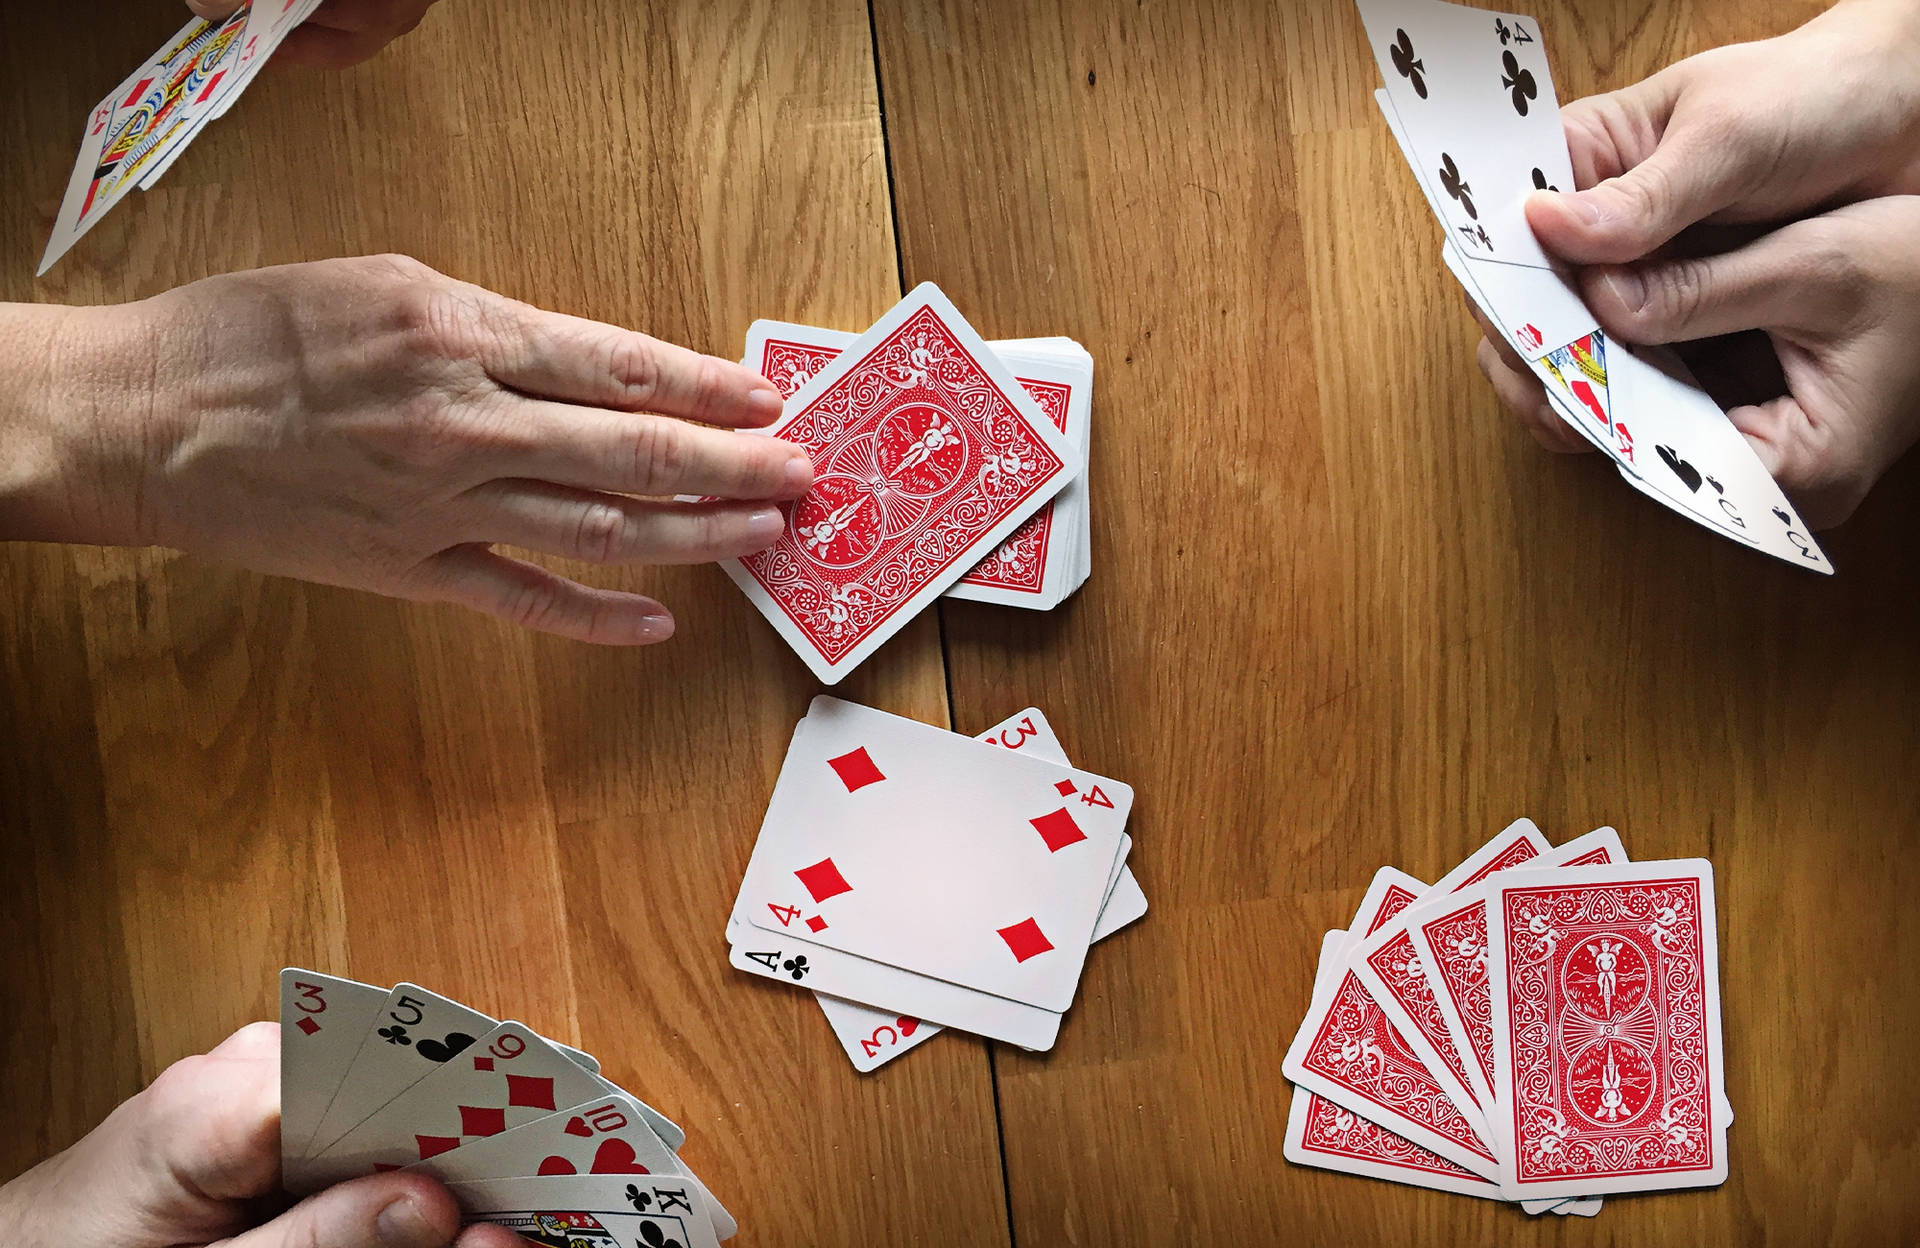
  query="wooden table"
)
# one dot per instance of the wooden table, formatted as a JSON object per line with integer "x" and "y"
{"x": 1343, "y": 613}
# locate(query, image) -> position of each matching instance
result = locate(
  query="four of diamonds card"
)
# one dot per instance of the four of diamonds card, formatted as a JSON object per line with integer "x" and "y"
{"x": 527, "y": 1133}
{"x": 1541, "y": 1026}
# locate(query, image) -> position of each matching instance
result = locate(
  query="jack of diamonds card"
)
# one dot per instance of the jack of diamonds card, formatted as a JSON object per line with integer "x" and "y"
{"x": 1607, "y": 1056}
{"x": 927, "y": 454}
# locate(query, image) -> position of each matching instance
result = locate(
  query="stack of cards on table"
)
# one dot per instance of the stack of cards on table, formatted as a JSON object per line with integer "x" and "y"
{"x": 943, "y": 466}
{"x": 917, "y": 879}
{"x": 525, "y": 1132}
{"x": 1470, "y": 100}
{"x": 136, "y": 133}
{"x": 1541, "y": 1026}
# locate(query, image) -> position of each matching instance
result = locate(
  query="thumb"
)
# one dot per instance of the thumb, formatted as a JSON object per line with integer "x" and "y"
{"x": 213, "y": 10}
{"x": 382, "y": 1211}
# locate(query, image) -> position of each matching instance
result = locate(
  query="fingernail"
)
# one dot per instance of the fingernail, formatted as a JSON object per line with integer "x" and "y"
{"x": 799, "y": 474}
{"x": 764, "y": 402}
{"x": 1626, "y": 286}
{"x": 652, "y": 628}
{"x": 764, "y": 525}
{"x": 403, "y": 1224}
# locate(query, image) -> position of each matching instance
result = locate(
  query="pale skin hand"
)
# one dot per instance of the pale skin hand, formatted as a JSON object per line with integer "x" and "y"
{"x": 191, "y": 1160}
{"x": 341, "y": 33}
{"x": 1761, "y": 132}
{"x": 373, "y": 424}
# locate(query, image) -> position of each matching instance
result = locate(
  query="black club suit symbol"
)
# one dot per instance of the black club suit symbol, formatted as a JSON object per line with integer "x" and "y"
{"x": 796, "y": 966}
{"x": 1409, "y": 66}
{"x": 1455, "y": 186}
{"x": 653, "y": 1237}
{"x": 638, "y": 1199}
{"x": 395, "y": 1034}
{"x": 1519, "y": 81}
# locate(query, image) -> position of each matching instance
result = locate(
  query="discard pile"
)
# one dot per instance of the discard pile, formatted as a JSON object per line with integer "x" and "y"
{"x": 1541, "y": 1026}
{"x": 527, "y": 1133}
{"x": 943, "y": 466}
{"x": 917, "y": 879}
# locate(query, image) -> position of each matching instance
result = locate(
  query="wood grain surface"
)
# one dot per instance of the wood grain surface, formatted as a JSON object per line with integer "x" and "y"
{"x": 1343, "y": 613}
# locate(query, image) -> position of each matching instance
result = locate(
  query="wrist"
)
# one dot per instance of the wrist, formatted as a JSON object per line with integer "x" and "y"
{"x": 79, "y": 425}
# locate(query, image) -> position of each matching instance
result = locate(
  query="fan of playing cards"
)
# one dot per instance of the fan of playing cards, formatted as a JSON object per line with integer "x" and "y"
{"x": 1542, "y": 1026}
{"x": 525, "y": 1132}
{"x": 943, "y": 465}
{"x": 917, "y": 879}
{"x": 1471, "y": 102}
{"x": 134, "y": 135}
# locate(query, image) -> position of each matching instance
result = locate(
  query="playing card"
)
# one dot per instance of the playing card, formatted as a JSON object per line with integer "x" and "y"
{"x": 1330, "y": 1137}
{"x": 911, "y": 845}
{"x": 927, "y": 454}
{"x": 1447, "y": 933}
{"x": 1348, "y": 1053}
{"x": 128, "y": 129}
{"x": 1518, "y": 842}
{"x": 1040, "y": 562}
{"x": 1473, "y": 108}
{"x": 1608, "y": 1068}
{"x": 322, "y": 1022}
{"x": 606, "y": 1136}
{"x": 592, "y": 1211}
{"x": 506, "y": 1078}
{"x": 873, "y": 1037}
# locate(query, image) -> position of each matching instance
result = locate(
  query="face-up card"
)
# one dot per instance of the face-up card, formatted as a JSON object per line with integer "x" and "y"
{"x": 1448, "y": 934}
{"x": 1331, "y": 1137}
{"x": 901, "y": 842}
{"x": 505, "y": 1079}
{"x": 873, "y": 1037}
{"x": 927, "y": 454}
{"x": 596, "y": 1211}
{"x": 322, "y": 1022}
{"x": 1347, "y": 1052}
{"x": 1608, "y": 1069}
{"x": 126, "y": 131}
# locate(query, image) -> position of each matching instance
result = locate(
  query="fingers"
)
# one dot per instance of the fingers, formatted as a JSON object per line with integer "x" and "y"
{"x": 1526, "y": 398}
{"x": 609, "y": 528}
{"x": 383, "y": 1211}
{"x": 1798, "y": 277}
{"x": 532, "y": 597}
{"x": 653, "y": 456}
{"x": 213, "y": 10}
{"x": 318, "y": 47}
{"x": 553, "y": 356}
{"x": 1798, "y": 451}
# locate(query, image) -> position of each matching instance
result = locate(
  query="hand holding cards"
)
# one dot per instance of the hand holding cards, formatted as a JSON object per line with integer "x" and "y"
{"x": 928, "y": 878}
{"x": 375, "y": 1079}
{"x": 1541, "y": 1026}
{"x": 942, "y": 466}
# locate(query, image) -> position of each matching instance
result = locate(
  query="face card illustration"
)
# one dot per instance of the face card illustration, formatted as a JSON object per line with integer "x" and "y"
{"x": 322, "y": 1021}
{"x": 505, "y": 1079}
{"x": 911, "y": 845}
{"x": 927, "y": 455}
{"x": 646, "y": 1211}
{"x": 1329, "y": 1137}
{"x": 127, "y": 131}
{"x": 1608, "y": 1072}
{"x": 1348, "y": 1053}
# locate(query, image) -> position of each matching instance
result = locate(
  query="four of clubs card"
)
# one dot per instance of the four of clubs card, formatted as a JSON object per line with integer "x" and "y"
{"x": 916, "y": 879}
{"x": 1469, "y": 98}
{"x": 526, "y": 1132}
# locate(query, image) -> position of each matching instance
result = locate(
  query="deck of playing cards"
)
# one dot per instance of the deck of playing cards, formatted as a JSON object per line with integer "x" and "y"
{"x": 1541, "y": 1026}
{"x": 1470, "y": 100}
{"x": 917, "y": 879}
{"x": 943, "y": 466}
{"x": 526, "y": 1132}
{"x": 136, "y": 133}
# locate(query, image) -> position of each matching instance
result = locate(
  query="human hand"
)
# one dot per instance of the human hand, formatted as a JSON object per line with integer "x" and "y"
{"x": 1752, "y": 132}
{"x": 340, "y": 33}
{"x": 373, "y": 424}
{"x": 1837, "y": 295}
{"x": 194, "y": 1158}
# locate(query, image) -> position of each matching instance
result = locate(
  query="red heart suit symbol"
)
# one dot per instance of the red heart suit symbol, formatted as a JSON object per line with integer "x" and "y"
{"x": 577, "y": 1125}
{"x": 616, "y": 1157}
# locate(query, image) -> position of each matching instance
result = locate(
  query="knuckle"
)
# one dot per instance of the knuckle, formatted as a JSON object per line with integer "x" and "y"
{"x": 603, "y": 533}
{"x": 534, "y": 605}
{"x": 635, "y": 368}
{"x": 1676, "y": 294}
{"x": 709, "y": 384}
{"x": 659, "y": 457}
